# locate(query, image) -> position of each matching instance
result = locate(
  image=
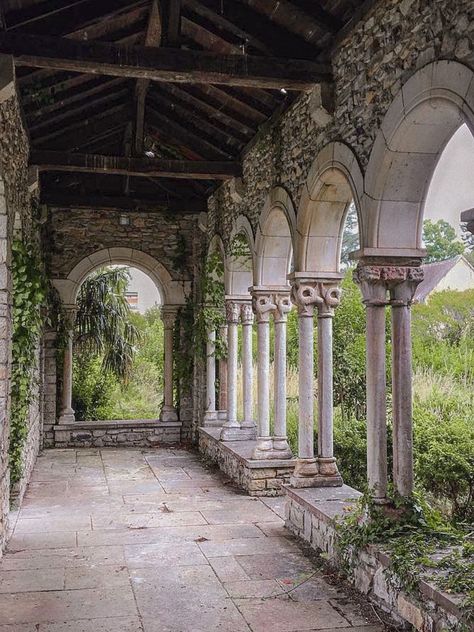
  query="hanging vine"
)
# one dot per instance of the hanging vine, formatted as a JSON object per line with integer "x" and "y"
{"x": 29, "y": 298}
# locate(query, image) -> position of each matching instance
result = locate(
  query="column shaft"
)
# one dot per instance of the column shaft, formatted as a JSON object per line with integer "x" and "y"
{"x": 168, "y": 410}
{"x": 211, "y": 372}
{"x": 247, "y": 369}
{"x": 326, "y": 460}
{"x": 231, "y": 428}
{"x": 223, "y": 376}
{"x": 67, "y": 412}
{"x": 281, "y": 448}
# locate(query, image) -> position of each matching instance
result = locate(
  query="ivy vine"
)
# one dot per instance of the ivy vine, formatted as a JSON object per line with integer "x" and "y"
{"x": 29, "y": 297}
{"x": 418, "y": 542}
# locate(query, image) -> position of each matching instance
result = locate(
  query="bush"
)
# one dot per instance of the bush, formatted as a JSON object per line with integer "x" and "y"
{"x": 92, "y": 388}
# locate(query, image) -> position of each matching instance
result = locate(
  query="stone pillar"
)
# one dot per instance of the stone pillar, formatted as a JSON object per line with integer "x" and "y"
{"x": 281, "y": 449}
{"x": 328, "y": 472}
{"x": 374, "y": 297}
{"x": 231, "y": 428}
{"x": 248, "y": 422}
{"x": 263, "y": 306}
{"x": 401, "y": 296}
{"x": 168, "y": 411}
{"x": 210, "y": 415}
{"x": 67, "y": 413}
{"x": 222, "y": 412}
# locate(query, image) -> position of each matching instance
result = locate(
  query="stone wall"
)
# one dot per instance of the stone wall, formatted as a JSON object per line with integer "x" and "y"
{"x": 117, "y": 434}
{"x": 311, "y": 515}
{"x": 394, "y": 40}
{"x": 15, "y": 207}
{"x": 258, "y": 478}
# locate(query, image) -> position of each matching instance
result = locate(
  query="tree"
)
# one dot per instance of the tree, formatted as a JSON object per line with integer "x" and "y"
{"x": 440, "y": 241}
{"x": 468, "y": 239}
{"x": 350, "y": 236}
{"x": 103, "y": 324}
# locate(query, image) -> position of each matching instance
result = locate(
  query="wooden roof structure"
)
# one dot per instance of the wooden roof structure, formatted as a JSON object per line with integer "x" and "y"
{"x": 146, "y": 104}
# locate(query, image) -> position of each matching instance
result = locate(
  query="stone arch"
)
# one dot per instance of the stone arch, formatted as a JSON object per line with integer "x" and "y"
{"x": 422, "y": 118}
{"x": 334, "y": 180}
{"x": 274, "y": 240}
{"x": 239, "y": 265}
{"x": 171, "y": 292}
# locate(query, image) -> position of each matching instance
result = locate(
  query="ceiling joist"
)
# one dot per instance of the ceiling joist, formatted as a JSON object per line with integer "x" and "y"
{"x": 163, "y": 64}
{"x": 138, "y": 167}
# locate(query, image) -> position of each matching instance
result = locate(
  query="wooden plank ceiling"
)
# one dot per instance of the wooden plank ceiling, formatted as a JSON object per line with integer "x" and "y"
{"x": 141, "y": 89}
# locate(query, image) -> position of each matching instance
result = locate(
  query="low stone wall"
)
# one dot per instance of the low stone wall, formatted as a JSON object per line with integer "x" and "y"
{"x": 310, "y": 515}
{"x": 118, "y": 433}
{"x": 258, "y": 478}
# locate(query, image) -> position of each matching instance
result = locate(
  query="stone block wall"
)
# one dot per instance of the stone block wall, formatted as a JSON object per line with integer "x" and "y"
{"x": 117, "y": 434}
{"x": 395, "y": 39}
{"x": 258, "y": 478}
{"x": 310, "y": 515}
{"x": 15, "y": 208}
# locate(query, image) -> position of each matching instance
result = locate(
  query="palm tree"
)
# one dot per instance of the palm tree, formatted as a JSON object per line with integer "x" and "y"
{"x": 103, "y": 325}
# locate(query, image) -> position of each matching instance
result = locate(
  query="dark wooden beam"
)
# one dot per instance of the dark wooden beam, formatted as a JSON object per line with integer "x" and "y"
{"x": 142, "y": 167}
{"x": 173, "y": 23}
{"x": 61, "y": 200}
{"x": 163, "y": 64}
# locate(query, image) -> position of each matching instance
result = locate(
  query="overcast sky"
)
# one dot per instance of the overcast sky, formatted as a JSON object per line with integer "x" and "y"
{"x": 452, "y": 187}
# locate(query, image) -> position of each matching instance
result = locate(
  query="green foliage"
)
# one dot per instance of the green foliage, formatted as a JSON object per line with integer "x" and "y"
{"x": 103, "y": 323}
{"x": 210, "y": 315}
{"x": 440, "y": 241}
{"x": 350, "y": 236}
{"x": 183, "y": 339}
{"x": 93, "y": 388}
{"x": 29, "y": 297}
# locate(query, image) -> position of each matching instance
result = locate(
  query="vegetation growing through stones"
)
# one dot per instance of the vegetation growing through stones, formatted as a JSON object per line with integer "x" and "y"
{"x": 29, "y": 299}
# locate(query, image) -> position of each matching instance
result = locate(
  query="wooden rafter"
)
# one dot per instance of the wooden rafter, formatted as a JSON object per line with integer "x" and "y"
{"x": 138, "y": 167}
{"x": 163, "y": 64}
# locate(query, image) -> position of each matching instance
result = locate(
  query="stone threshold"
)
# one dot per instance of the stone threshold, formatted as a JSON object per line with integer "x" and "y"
{"x": 257, "y": 477}
{"x": 311, "y": 514}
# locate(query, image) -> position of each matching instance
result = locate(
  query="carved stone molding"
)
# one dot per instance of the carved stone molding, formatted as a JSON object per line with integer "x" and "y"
{"x": 247, "y": 314}
{"x": 232, "y": 311}
{"x": 284, "y": 305}
{"x": 376, "y": 280}
{"x": 263, "y": 305}
{"x": 168, "y": 316}
{"x": 323, "y": 295}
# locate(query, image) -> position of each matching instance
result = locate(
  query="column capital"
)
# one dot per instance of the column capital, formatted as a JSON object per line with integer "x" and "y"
{"x": 168, "y": 315}
{"x": 247, "y": 313}
{"x": 70, "y": 313}
{"x": 323, "y": 294}
{"x": 283, "y": 304}
{"x": 262, "y": 303}
{"x": 232, "y": 311}
{"x": 376, "y": 278}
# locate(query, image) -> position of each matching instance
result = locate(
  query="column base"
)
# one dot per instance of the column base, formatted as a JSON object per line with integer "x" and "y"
{"x": 222, "y": 415}
{"x": 67, "y": 417}
{"x": 305, "y": 473}
{"x": 327, "y": 466}
{"x": 168, "y": 413}
{"x": 281, "y": 448}
{"x": 263, "y": 449}
{"x": 211, "y": 419}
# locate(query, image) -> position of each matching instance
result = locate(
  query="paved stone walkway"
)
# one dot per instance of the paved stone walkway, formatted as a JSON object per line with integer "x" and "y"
{"x": 133, "y": 541}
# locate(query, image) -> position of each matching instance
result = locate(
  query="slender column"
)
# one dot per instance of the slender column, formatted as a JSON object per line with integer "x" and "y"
{"x": 330, "y": 294}
{"x": 401, "y": 296}
{"x": 168, "y": 411}
{"x": 281, "y": 448}
{"x": 222, "y": 413}
{"x": 263, "y": 306}
{"x": 67, "y": 414}
{"x": 374, "y": 296}
{"x": 211, "y": 375}
{"x": 231, "y": 428}
{"x": 248, "y": 422}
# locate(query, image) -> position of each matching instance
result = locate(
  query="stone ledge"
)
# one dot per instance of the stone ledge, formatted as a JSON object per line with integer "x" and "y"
{"x": 311, "y": 514}
{"x": 258, "y": 478}
{"x": 118, "y": 423}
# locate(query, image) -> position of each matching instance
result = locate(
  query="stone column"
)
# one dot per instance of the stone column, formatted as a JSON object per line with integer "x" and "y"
{"x": 328, "y": 472}
{"x": 248, "y": 423}
{"x": 67, "y": 412}
{"x": 210, "y": 415}
{"x": 168, "y": 411}
{"x": 263, "y": 306}
{"x": 281, "y": 449}
{"x": 305, "y": 298}
{"x": 374, "y": 296}
{"x": 401, "y": 296}
{"x": 231, "y": 428}
{"x": 222, "y": 412}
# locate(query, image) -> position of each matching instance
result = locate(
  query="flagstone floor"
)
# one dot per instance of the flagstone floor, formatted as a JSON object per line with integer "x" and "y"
{"x": 151, "y": 541}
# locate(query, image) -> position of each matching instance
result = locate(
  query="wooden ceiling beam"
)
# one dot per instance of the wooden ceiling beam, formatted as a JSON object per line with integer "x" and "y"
{"x": 138, "y": 167}
{"x": 163, "y": 64}
{"x": 61, "y": 200}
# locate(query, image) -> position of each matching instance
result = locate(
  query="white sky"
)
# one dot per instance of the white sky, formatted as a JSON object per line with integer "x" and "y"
{"x": 452, "y": 187}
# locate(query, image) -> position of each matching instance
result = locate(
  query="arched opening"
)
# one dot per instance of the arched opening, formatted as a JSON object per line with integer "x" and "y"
{"x": 118, "y": 347}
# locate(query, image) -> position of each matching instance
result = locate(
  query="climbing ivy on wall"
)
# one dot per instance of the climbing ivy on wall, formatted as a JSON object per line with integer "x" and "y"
{"x": 29, "y": 297}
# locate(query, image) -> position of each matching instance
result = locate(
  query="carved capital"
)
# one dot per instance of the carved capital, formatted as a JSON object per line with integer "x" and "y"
{"x": 70, "y": 313}
{"x": 263, "y": 306}
{"x": 323, "y": 295}
{"x": 247, "y": 314}
{"x": 283, "y": 304}
{"x": 376, "y": 280}
{"x": 232, "y": 312}
{"x": 168, "y": 316}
